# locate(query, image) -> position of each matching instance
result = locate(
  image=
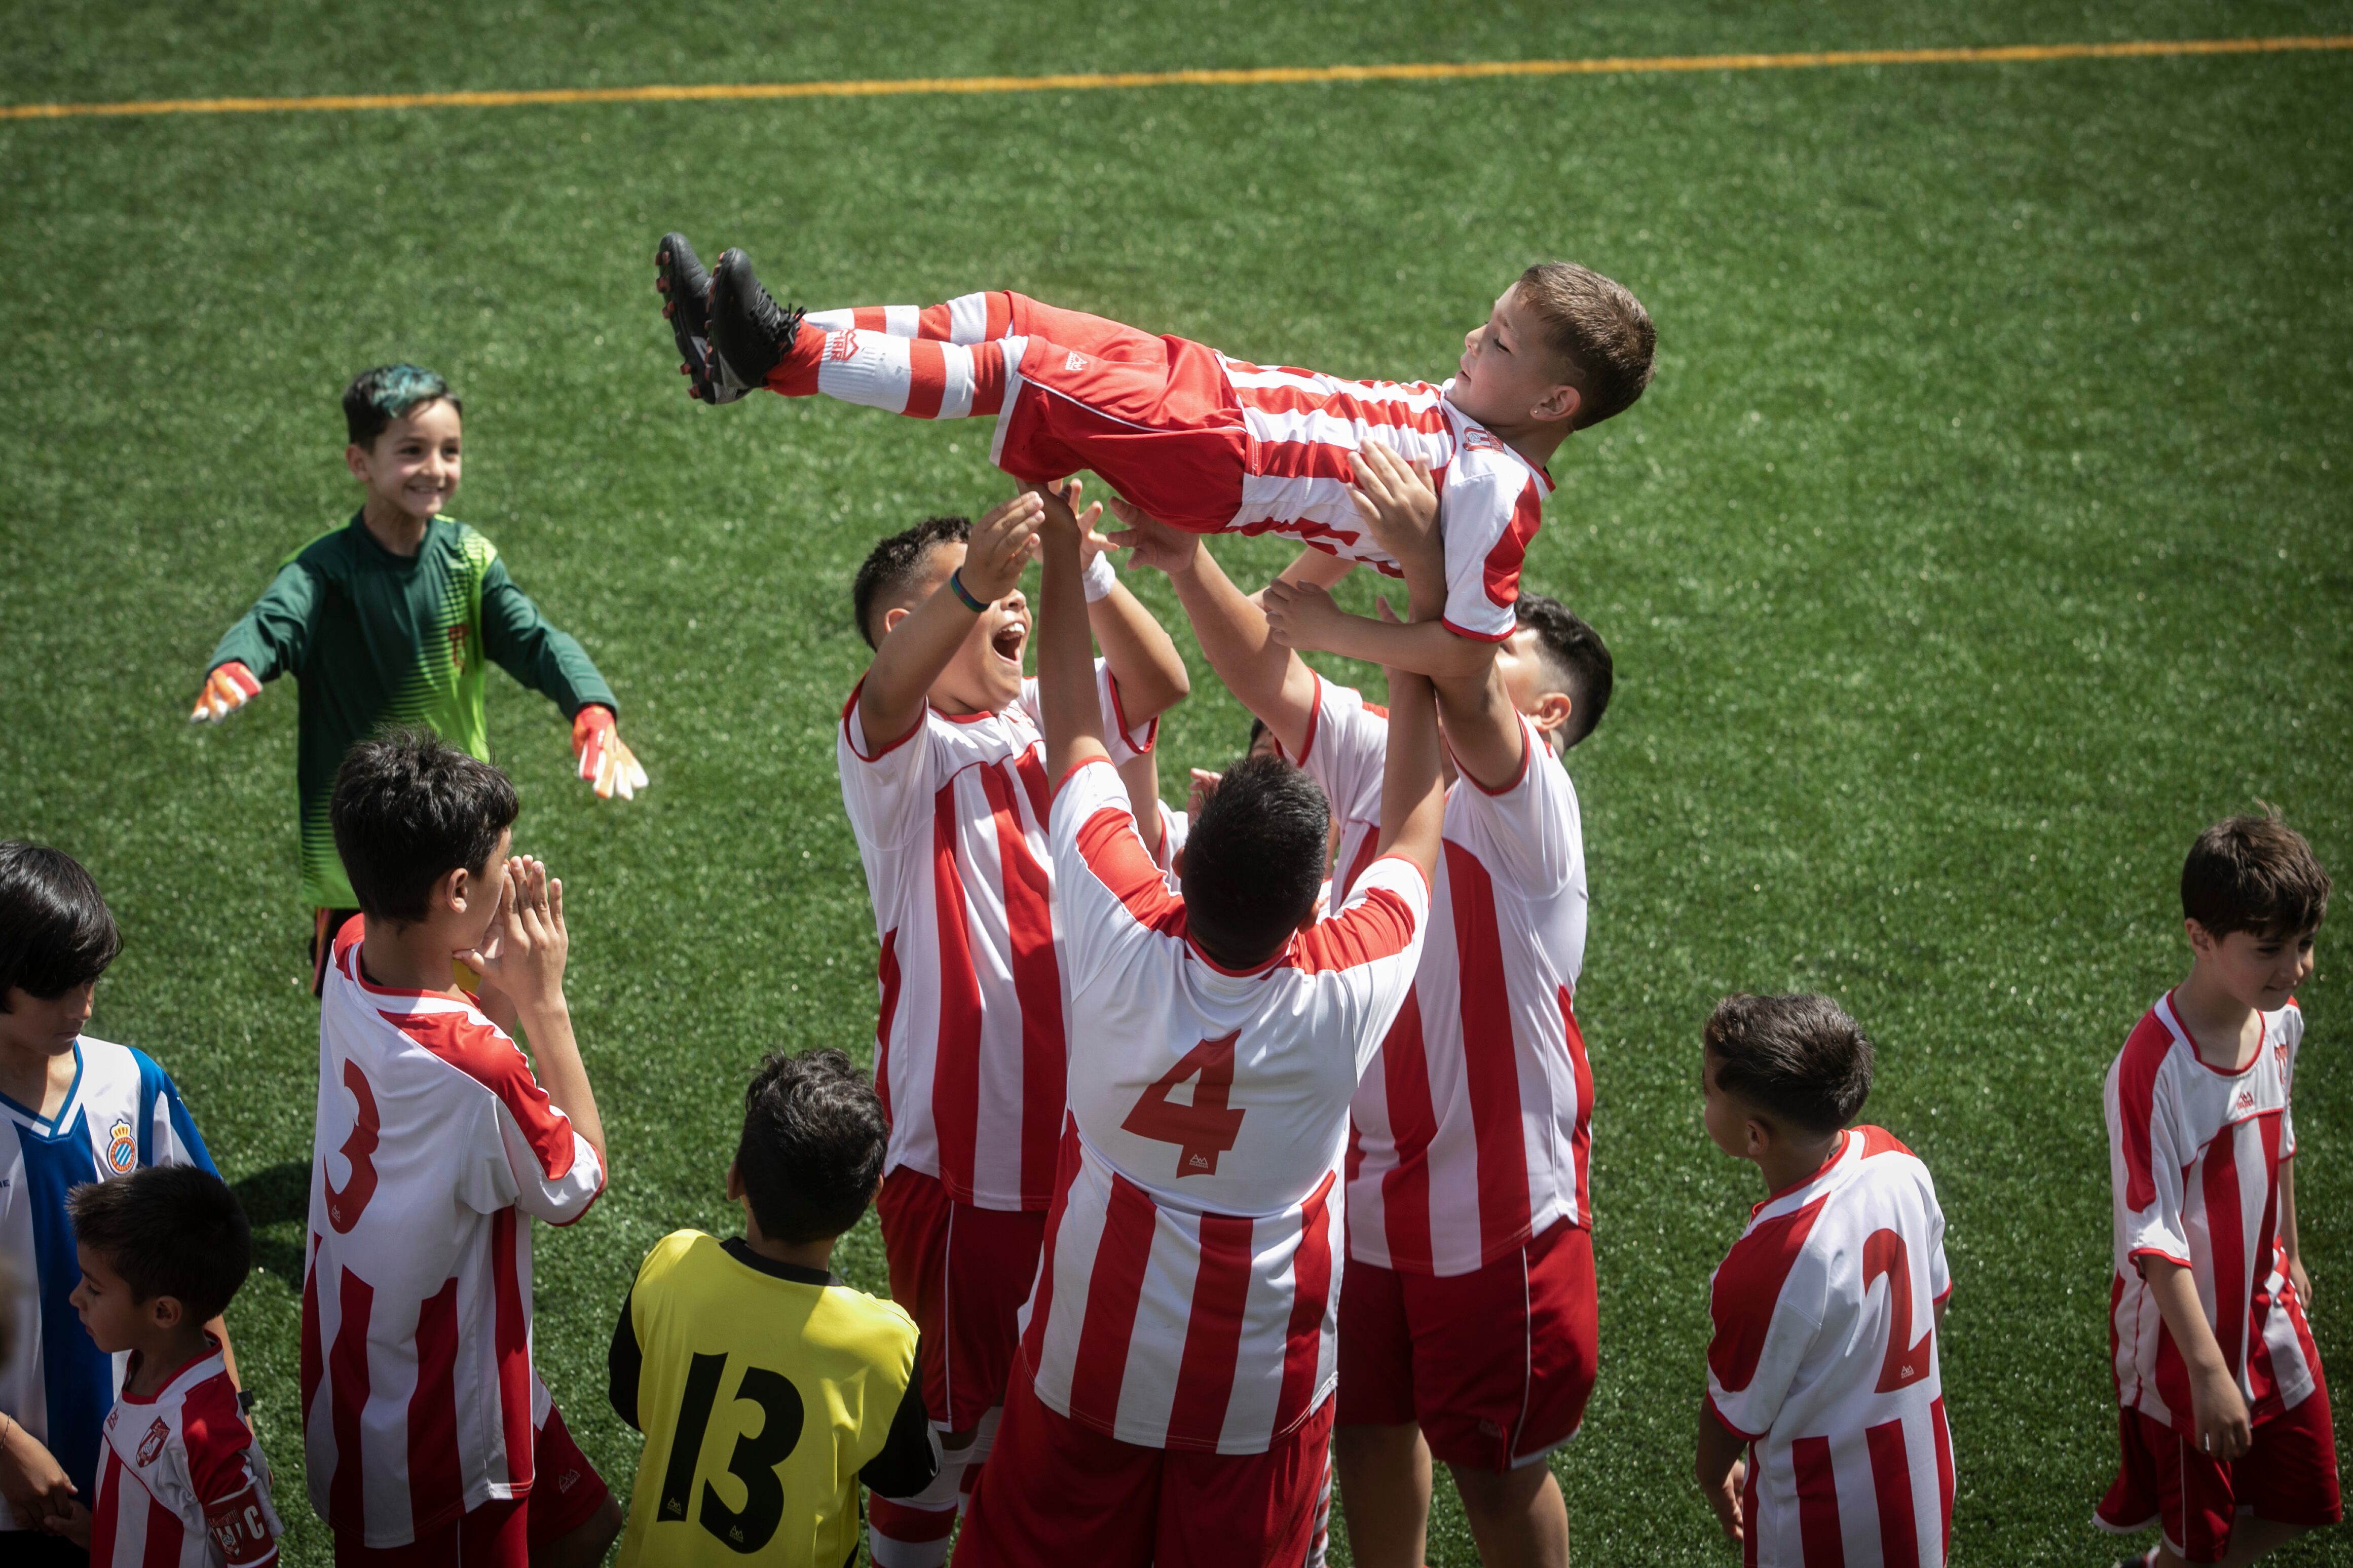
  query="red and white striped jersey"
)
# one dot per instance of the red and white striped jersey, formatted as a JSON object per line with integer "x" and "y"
{"x": 2194, "y": 1155}
{"x": 968, "y": 1048}
{"x": 182, "y": 1482}
{"x": 1191, "y": 1275}
{"x": 1474, "y": 1132}
{"x": 1824, "y": 1358}
{"x": 1303, "y": 428}
{"x": 435, "y": 1150}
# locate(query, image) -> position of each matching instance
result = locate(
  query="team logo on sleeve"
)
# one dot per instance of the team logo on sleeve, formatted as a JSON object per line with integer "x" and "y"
{"x": 152, "y": 1444}
{"x": 122, "y": 1148}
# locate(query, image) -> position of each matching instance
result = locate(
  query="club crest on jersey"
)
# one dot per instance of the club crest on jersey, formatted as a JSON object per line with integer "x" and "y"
{"x": 121, "y": 1149}
{"x": 153, "y": 1443}
{"x": 1481, "y": 441}
{"x": 458, "y": 649}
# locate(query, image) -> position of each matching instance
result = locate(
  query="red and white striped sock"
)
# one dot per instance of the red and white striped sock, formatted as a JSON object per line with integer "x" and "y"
{"x": 938, "y": 362}
{"x": 898, "y": 1536}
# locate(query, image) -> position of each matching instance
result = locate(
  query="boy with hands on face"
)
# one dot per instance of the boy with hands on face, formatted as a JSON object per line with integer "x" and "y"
{"x": 429, "y": 1435}
{"x": 943, "y": 774}
{"x": 2224, "y": 1415}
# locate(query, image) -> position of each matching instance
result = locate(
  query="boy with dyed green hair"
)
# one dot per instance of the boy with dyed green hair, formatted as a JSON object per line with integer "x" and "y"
{"x": 388, "y": 619}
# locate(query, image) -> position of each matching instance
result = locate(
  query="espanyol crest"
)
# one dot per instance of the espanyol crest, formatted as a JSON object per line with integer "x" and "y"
{"x": 121, "y": 1149}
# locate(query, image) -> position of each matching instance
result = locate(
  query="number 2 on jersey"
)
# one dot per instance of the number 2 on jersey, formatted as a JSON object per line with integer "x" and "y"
{"x": 1203, "y": 1130}
{"x": 1907, "y": 1361}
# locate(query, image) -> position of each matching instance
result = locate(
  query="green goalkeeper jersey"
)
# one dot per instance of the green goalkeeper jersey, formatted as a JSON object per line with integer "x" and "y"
{"x": 374, "y": 639}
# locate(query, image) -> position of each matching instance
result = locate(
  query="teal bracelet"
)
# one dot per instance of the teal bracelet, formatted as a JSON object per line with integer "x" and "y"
{"x": 956, "y": 581}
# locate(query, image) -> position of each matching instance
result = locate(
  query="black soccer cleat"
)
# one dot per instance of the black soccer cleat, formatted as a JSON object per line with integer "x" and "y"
{"x": 685, "y": 288}
{"x": 750, "y": 333}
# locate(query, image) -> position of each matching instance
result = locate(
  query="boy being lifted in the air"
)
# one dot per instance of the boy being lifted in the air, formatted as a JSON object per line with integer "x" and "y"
{"x": 1210, "y": 444}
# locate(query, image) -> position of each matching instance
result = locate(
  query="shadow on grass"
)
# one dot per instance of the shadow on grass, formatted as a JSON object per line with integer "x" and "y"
{"x": 276, "y": 1199}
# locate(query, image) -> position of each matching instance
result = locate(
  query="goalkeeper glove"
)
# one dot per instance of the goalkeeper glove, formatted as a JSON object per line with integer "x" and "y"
{"x": 606, "y": 760}
{"x": 227, "y": 689}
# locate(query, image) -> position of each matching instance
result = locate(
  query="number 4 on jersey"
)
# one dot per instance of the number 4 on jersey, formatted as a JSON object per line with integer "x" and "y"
{"x": 1203, "y": 1130}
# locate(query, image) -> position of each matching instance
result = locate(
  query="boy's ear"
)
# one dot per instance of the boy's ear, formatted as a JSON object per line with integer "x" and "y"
{"x": 2201, "y": 941}
{"x": 1560, "y": 404}
{"x": 356, "y": 459}
{"x": 734, "y": 1184}
{"x": 1552, "y": 710}
{"x": 1760, "y": 1136}
{"x": 164, "y": 1311}
{"x": 892, "y": 617}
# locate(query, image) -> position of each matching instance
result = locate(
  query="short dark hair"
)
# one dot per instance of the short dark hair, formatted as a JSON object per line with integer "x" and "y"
{"x": 1799, "y": 1058}
{"x": 56, "y": 932}
{"x": 169, "y": 1230}
{"x": 1601, "y": 331}
{"x": 377, "y": 397}
{"x": 1254, "y": 860}
{"x": 891, "y": 565}
{"x": 408, "y": 809}
{"x": 811, "y": 1154}
{"x": 1578, "y": 658}
{"x": 2253, "y": 873}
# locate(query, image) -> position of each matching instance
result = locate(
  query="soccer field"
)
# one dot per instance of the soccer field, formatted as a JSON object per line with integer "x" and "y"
{"x": 1985, "y": 534}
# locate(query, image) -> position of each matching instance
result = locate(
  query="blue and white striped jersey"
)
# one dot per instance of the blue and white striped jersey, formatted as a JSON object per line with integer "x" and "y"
{"x": 122, "y": 1112}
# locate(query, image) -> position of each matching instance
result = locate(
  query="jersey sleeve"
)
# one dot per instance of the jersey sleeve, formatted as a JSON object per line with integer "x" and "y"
{"x": 625, "y": 1362}
{"x": 1125, "y": 744}
{"x": 2148, "y": 1161}
{"x": 1490, "y": 509}
{"x": 910, "y": 1459}
{"x": 1370, "y": 949}
{"x": 526, "y": 1152}
{"x": 886, "y": 782}
{"x": 1346, "y": 749}
{"x": 2291, "y": 1040}
{"x": 525, "y": 644}
{"x": 233, "y": 1495}
{"x": 1761, "y": 1333}
{"x": 167, "y": 1133}
{"x": 1112, "y": 894}
{"x": 274, "y": 636}
{"x": 1531, "y": 825}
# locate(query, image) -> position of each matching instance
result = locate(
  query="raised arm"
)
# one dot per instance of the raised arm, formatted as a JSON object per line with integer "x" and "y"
{"x": 1400, "y": 504}
{"x": 1144, "y": 660}
{"x": 1413, "y": 801}
{"x": 918, "y": 647}
{"x": 1073, "y": 719}
{"x": 1268, "y": 678}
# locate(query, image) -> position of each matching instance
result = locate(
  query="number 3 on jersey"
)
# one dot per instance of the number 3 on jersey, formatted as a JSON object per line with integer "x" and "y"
{"x": 1203, "y": 1130}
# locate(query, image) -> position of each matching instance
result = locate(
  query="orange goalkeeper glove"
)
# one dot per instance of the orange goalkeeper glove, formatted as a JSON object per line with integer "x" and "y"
{"x": 606, "y": 760}
{"x": 227, "y": 689}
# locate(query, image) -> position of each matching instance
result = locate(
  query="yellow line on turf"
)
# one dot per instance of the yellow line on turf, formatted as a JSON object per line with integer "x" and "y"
{"x": 1262, "y": 76}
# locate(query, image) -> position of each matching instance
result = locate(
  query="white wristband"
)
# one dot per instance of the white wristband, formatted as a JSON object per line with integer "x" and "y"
{"x": 1100, "y": 578}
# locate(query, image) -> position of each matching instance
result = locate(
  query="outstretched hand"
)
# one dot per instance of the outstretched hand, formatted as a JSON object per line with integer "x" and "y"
{"x": 227, "y": 689}
{"x": 1398, "y": 501}
{"x": 1301, "y": 614}
{"x": 606, "y": 760}
{"x": 1003, "y": 541}
{"x": 1152, "y": 543}
{"x": 523, "y": 956}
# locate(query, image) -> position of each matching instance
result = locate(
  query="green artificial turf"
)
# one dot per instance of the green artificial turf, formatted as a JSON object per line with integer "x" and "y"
{"x": 1983, "y": 536}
